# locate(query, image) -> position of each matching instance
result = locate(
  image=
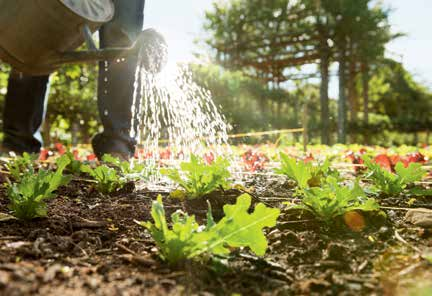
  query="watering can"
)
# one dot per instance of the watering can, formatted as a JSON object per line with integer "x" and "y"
{"x": 38, "y": 36}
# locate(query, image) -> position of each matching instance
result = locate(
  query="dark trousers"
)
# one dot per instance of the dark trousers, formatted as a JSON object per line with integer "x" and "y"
{"x": 26, "y": 96}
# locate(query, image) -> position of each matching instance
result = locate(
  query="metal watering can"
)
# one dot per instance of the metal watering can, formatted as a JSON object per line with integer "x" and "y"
{"x": 38, "y": 36}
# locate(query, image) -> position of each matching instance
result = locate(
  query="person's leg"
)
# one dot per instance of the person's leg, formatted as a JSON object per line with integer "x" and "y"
{"x": 24, "y": 112}
{"x": 116, "y": 81}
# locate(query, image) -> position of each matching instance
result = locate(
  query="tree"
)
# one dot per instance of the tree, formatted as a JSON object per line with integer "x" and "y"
{"x": 73, "y": 99}
{"x": 265, "y": 41}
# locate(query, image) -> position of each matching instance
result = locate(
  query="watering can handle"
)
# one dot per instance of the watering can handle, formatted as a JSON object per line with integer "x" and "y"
{"x": 149, "y": 41}
{"x": 88, "y": 38}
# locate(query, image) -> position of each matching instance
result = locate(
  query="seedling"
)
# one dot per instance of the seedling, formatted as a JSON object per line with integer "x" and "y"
{"x": 333, "y": 200}
{"x": 186, "y": 239}
{"x": 27, "y": 198}
{"x": 75, "y": 165}
{"x": 132, "y": 171}
{"x": 198, "y": 179}
{"x": 305, "y": 174}
{"x": 18, "y": 165}
{"x": 107, "y": 179}
{"x": 394, "y": 183}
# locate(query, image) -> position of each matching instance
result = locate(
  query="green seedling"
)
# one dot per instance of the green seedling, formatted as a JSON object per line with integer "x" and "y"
{"x": 333, "y": 200}
{"x": 107, "y": 179}
{"x": 198, "y": 179}
{"x": 75, "y": 165}
{"x": 390, "y": 183}
{"x": 27, "y": 198}
{"x": 131, "y": 170}
{"x": 21, "y": 164}
{"x": 305, "y": 174}
{"x": 186, "y": 239}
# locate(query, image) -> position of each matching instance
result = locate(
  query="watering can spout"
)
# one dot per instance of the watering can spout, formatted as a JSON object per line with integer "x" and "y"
{"x": 150, "y": 46}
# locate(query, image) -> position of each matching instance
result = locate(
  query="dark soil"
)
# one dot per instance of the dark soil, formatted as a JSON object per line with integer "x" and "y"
{"x": 90, "y": 245}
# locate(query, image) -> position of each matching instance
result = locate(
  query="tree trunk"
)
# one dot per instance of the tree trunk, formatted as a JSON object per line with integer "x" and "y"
{"x": 296, "y": 117}
{"x": 74, "y": 133}
{"x": 365, "y": 87}
{"x": 324, "y": 98}
{"x": 352, "y": 91}
{"x": 342, "y": 112}
{"x": 305, "y": 123}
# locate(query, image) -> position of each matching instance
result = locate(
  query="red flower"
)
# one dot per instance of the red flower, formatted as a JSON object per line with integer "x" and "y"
{"x": 254, "y": 161}
{"x": 416, "y": 157}
{"x": 308, "y": 158}
{"x": 384, "y": 161}
{"x": 165, "y": 154}
{"x": 209, "y": 158}
{"x": 43, "y": 154}
{"x": 75, "y": 153}
{"x": 60, "y": 148}
{"x": 91, "y": 157}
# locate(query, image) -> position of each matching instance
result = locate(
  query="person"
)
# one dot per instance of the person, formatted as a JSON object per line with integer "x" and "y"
{"x": 26, "y": 98}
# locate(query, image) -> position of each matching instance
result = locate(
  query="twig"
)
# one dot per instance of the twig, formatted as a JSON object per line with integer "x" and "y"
{"x": 406, "y": 209}
{"x": 124, "y": 248}
{"x": 400, "y": 238}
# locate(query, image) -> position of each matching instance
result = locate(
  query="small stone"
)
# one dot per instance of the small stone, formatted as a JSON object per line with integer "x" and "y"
{"x": 419, "y": 217}
{"x": 4, "y": 278}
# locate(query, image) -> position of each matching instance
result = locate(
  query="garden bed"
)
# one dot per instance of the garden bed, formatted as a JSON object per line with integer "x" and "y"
{"x": 89, "y": 244}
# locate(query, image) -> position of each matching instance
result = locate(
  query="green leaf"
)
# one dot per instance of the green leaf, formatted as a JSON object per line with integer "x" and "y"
{"x": 107, "y": 178}
{"x": 240, "y": 229}
{"x": 333, "y": 200}
{"x": 305, "y": 174}
{"x": 27, "y": 198}
{"x": 186, "y": 239}
{"x": 21, "y": 164}
{"x": 132, "y": 170}
{"x": 298, "y": 171}
{"x": 413, "y": 173}
{"x": 198, "y": 178}
{"x": 393, "y": 184}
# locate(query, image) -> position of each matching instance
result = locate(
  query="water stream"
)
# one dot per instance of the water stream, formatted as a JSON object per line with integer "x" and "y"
{"x": 174, "y": 115}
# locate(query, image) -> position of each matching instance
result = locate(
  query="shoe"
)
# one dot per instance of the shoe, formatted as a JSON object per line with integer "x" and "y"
{"x": 116, "y": 147}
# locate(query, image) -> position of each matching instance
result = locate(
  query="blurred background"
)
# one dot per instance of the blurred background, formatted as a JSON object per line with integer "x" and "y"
{"x": 350, "y": 70}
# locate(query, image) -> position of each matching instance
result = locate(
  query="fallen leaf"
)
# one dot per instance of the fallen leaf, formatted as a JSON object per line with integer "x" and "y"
{"x": 6, "y": 217}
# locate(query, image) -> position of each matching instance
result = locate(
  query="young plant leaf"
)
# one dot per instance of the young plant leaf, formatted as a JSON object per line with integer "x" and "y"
{"x": 187, "y": 239}
{"x": 393, "y": 183}
{"x": 199, "y": 178}
{"x": 27, "y": 198}
{"x": 305, "y": 174}
{"x": 333, "y": 200}
{"x": 107, "y": 178}
{"x": 131, "y": 170}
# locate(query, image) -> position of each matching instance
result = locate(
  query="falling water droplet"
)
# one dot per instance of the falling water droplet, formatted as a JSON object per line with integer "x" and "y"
{"x": 171, "y": 110}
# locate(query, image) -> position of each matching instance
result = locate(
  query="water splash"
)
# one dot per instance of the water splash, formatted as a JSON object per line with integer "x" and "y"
{"x": 171, "y": 111}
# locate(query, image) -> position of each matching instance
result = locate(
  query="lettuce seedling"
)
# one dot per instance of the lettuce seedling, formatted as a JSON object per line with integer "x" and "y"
{"x": 27, "y": 198}
{"x": 186, "y": 239}
{"x": 394, "y": 183}
{"x": 107, "y": 179}
{"x": 333, "y": 200}
{"x": 131, "y": 170}
{"x": 305, "y": 174}
{"x": 199, "y": 178}
{"x": 20, "y": 164}
{"x": 75, "y": 165}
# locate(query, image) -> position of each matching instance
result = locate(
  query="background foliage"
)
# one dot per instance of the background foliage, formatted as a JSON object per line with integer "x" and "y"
{"x": 260, "y": 75}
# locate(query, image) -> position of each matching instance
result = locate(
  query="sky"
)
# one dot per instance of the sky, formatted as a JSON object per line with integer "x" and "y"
{"x": 181, "y": 23}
